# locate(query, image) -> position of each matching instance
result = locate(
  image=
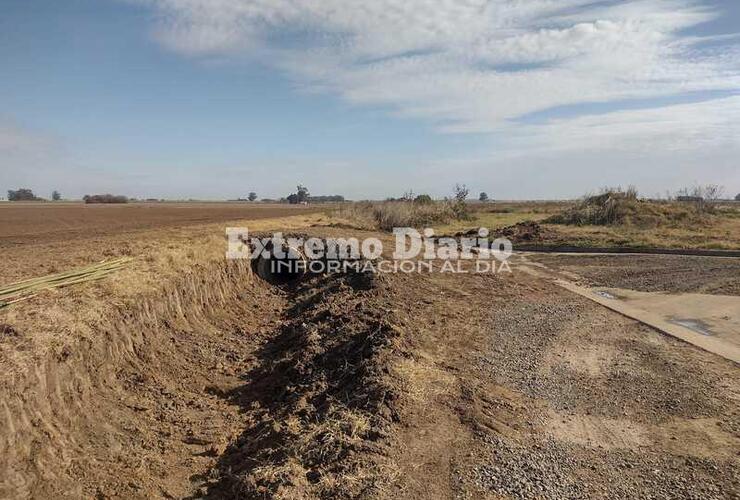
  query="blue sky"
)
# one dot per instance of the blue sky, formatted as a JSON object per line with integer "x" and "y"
{"x": 216, "y": 98}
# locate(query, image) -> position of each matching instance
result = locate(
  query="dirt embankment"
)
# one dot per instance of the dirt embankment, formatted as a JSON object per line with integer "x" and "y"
{"x": 126, "y": 411}
{"x": 221, "y": 386}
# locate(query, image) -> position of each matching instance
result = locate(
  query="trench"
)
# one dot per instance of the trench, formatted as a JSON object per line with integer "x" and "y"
{"x": 219, "y": 386}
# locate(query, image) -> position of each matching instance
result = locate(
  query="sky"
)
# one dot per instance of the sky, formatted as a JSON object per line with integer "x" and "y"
{"x": 522, "y": 99}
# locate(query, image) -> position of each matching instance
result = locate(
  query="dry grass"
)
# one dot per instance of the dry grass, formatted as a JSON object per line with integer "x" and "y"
{"x": 496, "y": 215}
{"x": 657, "y": 225}
{"x": 409, "y": 214}
{"x": 57, "y": 318}
{"x": 488, "y": 220}
{"x": 719, "y": 233}
{"x": 391, "y": 214}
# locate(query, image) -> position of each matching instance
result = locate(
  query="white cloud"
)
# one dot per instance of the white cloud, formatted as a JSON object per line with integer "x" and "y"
{"x": 678, "y": 128}
{"x": 480, "y": 65}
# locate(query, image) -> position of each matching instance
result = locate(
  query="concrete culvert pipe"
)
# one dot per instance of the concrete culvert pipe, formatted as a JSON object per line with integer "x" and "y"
{"x": 281, "y": 270}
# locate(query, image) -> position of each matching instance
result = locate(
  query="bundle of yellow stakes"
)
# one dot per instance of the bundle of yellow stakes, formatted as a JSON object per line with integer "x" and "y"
{"x": 27, "y": 289}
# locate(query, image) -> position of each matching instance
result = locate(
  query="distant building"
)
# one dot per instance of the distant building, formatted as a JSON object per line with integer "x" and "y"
{"x": 691, "y": 199}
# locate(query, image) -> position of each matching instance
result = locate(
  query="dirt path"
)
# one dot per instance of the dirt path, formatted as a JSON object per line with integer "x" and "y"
{"x": 652, "y": 273}
{"x": 518, "y": 389}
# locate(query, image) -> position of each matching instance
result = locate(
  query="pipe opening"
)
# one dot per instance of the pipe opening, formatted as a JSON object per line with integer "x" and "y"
{"x": 281, "y": 270}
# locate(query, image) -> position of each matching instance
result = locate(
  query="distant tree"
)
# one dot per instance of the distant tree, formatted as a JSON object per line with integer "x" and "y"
{"x": 737, "y": 197}
{"x": 461, "y": 192}
{"x": 407, "y": 196}
{"x": 301, "y": 196}
{"x": 423, "y": 199}
{"x": 483, "y": 197}
{"x": 22, "y": 194}
{"x": 252, "y": 196}
{"x": 704, "y": 197}
{"x": 56, "y": 195}
{"x": 302, "y": 193}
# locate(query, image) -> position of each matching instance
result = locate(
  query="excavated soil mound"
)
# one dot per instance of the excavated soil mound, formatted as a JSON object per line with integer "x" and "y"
{"x": 521, "y": 232}
{"x": 319, "y": 399}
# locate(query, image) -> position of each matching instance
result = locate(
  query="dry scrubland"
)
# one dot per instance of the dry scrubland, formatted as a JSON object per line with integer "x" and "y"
{"x": 182, "y": 375}
{"x": 610, "y": 219}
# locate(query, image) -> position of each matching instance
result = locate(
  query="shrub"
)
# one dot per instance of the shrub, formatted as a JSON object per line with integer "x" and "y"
{"x": 392, "y": 214}
{"x": 408, "y": 211}
{"x": 423, "y": 199}
{"x": 459, "y": 205}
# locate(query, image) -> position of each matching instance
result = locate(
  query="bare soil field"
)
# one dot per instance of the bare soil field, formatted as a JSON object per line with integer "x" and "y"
{"x": 185, "y": 376}
{"x": 22, "y": 223}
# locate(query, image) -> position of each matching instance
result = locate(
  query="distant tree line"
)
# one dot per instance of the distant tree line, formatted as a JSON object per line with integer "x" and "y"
{"x": 335, "y": 198}
{"x": 22, "y": 194}
{"x": 303, "y": 196}
{"x": 104, "y": 198}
